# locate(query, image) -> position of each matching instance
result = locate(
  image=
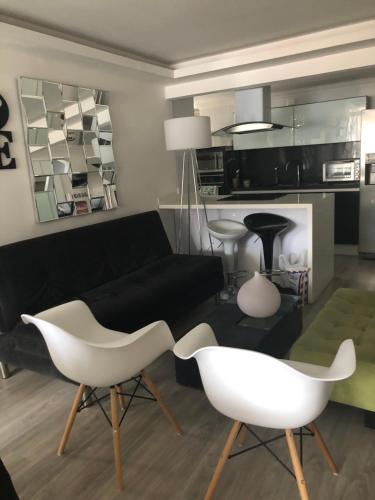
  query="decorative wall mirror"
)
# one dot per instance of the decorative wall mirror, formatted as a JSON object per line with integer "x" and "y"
{"x": 69, "y": 139}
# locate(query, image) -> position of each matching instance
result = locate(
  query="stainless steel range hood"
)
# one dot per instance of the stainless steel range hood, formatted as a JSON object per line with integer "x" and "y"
{"x": 253, "y": 113}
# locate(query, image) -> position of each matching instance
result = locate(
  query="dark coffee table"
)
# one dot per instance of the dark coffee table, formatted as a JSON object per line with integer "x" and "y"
{"x": 274, "y": 335}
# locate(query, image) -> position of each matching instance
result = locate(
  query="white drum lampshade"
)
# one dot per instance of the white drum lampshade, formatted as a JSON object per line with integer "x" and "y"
{"x": 258, "y": 297}
{"x": 188, "y": 132}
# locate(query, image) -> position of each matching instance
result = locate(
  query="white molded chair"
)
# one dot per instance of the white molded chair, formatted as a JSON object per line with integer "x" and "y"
{"x": 94, "y": 356}
{"x": 255, "y": 389}
{"x": 228, "y": 232}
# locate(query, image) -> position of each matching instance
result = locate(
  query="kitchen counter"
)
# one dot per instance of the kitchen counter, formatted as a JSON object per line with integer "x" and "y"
{"x": 310, "y": 236}
{"x": 318, "y": 187}
{"x": 330, "y": 189}
{"x": 291, "y": 200}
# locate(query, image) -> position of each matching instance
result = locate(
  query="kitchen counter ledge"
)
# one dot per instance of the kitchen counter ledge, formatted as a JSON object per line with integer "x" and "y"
{"x": 294, "y": 200}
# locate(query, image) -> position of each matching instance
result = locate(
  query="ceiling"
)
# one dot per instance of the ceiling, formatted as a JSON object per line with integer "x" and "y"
{"x": 171, "y": 31}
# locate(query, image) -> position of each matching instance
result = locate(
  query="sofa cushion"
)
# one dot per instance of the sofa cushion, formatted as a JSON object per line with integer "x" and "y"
{"x": 350, "y": 313}
{"x": 135, "y": 242}
{"x": 160, "y": 290}
{"x": 40, "y": 273}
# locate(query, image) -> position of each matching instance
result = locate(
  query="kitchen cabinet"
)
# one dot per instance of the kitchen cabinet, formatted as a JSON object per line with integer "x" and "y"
{"x": 346, "y": 218}
{"x": 316, "y": 123}
{"x": 328, "y": 122}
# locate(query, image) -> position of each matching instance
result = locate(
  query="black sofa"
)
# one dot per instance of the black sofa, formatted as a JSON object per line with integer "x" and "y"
{"x": 123, "y": 269}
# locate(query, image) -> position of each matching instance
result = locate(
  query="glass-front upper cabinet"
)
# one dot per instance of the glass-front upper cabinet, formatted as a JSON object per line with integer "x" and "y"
{"x": 271, "y": 138}
{"x": 327, "y": 122}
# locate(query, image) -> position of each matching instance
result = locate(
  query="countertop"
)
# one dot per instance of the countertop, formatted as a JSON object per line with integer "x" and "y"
{"x": 299, "y": 190}
{"x": 297, "y": 200}
{"x": 327, "y": 187}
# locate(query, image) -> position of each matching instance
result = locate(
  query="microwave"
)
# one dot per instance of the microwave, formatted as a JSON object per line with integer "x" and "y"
{"x": 210, "y": 160}
{"x": 341, "y": 170}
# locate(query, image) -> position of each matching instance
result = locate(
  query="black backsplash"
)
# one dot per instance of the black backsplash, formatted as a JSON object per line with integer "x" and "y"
{"x": 266, "y": 167}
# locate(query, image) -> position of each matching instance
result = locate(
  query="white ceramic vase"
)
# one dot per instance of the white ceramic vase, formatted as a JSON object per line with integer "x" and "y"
{"x": 258, "y": 297}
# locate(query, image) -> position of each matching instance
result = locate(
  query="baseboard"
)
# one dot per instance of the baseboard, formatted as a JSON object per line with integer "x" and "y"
{"x": 346, "y": 250}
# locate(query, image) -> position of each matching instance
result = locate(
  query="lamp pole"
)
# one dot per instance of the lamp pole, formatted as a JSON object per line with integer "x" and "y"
{"x": 188, "y": 134}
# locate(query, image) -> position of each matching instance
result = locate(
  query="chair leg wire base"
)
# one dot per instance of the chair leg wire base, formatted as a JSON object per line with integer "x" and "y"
{"x": 265, "y": 443}
{"x": 91, "y": 394}
{"x": 85, "y": 394}
{"x": 237, "y": 432}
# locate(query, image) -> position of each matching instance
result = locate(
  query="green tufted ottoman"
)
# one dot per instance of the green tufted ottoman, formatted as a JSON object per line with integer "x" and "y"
{"x": 349, "y": 313}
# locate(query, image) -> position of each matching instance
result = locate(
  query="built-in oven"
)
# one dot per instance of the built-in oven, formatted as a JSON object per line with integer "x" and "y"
{"x": 341, "y": 170}
{"x": 211, "y": 183}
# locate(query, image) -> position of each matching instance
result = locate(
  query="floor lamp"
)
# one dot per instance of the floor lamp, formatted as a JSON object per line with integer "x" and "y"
{"x": 187, "y": 134}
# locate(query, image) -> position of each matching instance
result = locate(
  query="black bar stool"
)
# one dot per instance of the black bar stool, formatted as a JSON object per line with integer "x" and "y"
{"x": 266, "y": 226}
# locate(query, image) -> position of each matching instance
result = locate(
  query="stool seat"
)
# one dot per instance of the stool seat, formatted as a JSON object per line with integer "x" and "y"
{"x": 225, "y": 229}
{"x": 228, "y": 232}
{"x": 264, "y": 222}
{"x": 266, "y": 226}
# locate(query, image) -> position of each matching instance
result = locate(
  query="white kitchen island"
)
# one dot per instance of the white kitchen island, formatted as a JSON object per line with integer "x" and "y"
{"x": 311, "y": 233}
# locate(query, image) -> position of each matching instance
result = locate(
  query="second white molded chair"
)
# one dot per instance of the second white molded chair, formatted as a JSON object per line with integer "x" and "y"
{"x": 228, "y": 232}
{"x": 255, "y": 389}
{"x": 94, "y": 356}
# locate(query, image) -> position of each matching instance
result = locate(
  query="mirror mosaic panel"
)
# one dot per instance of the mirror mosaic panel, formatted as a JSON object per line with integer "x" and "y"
{"x": 69, "y": 139}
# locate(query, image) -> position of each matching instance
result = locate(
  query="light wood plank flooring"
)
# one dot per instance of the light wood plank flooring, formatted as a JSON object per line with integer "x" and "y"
{"x": 157, "y": 463}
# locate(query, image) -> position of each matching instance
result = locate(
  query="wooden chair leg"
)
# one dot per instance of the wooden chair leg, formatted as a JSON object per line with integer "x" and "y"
{"x": 222, "y": 460}
{"x": 323, "y": 448}
{"x": 164, "y": 408}
{"x": 296, "y": 465}
{"x": 116, "y": 439}
{"x": 71, "y": 418}
{"x": 121, "y": 399}
{"x": 242, "y": 435}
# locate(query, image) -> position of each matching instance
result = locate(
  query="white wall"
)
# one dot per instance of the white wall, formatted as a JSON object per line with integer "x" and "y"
{"x": 138, "y": 108}
{"x": 221, "y": 115}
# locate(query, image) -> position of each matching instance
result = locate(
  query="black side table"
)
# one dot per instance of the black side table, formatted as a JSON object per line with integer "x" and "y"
{"x": 274, "y": 335}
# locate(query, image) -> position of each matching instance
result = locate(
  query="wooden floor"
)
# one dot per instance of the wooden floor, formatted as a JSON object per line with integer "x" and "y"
{"x": 158, "y": 464}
